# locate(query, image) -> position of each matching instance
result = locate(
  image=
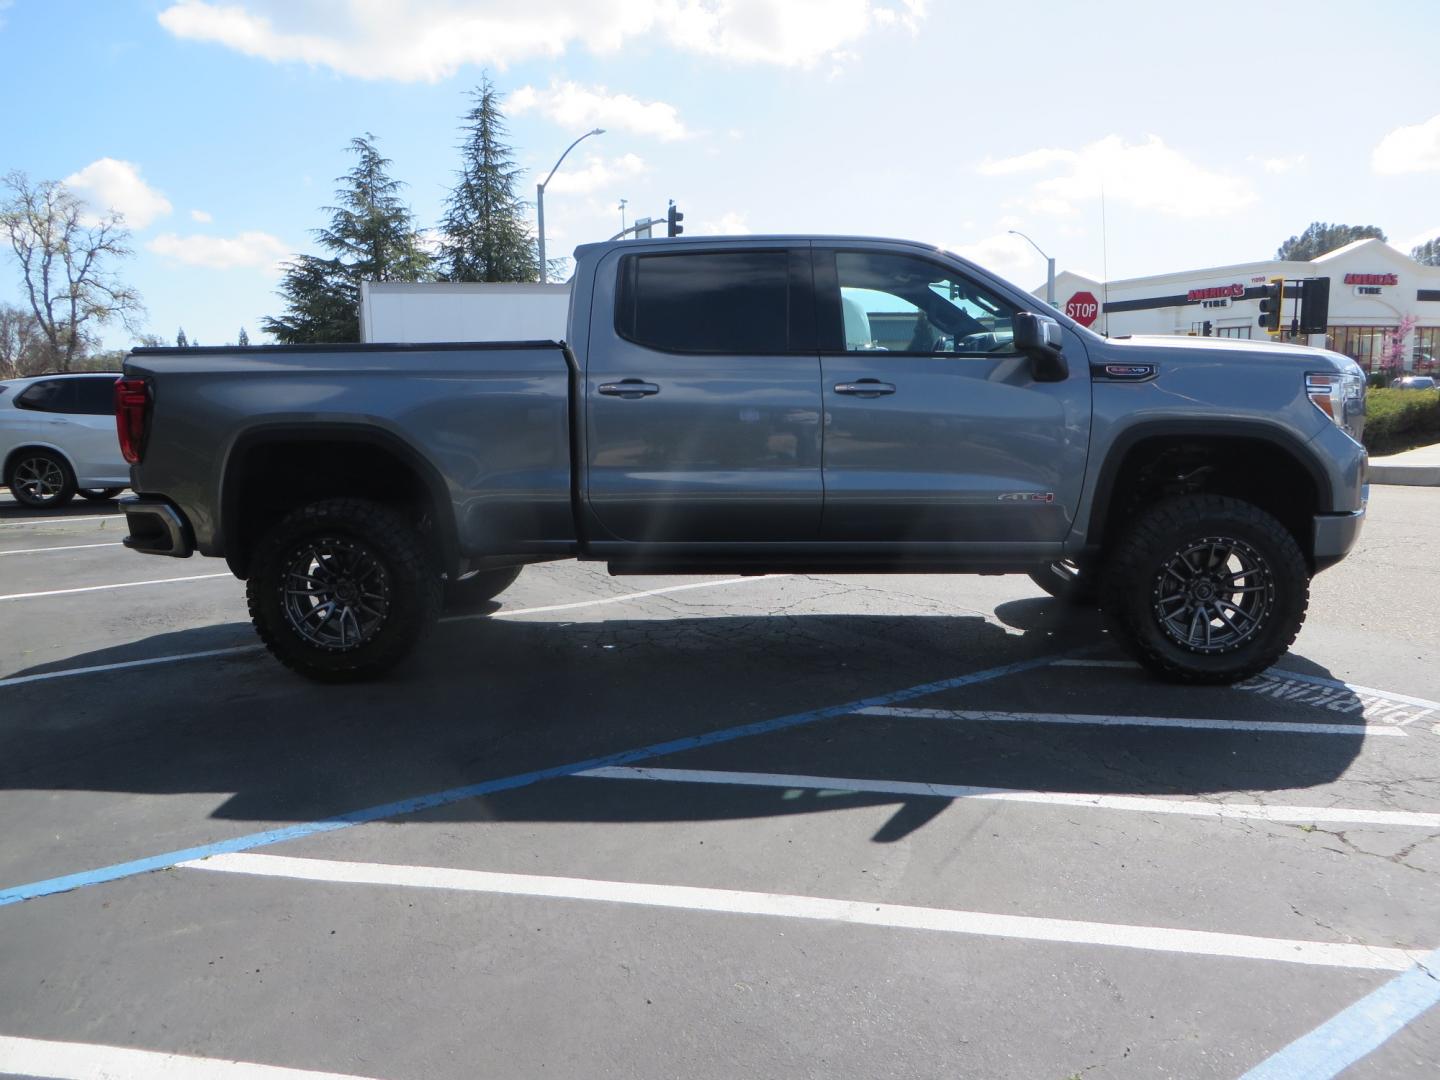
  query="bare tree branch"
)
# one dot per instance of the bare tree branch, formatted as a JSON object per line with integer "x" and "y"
{"x": 65, "y": 259}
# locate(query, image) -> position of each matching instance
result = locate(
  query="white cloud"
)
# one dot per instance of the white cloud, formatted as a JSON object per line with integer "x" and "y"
{"x": 116, "y": 186}
{"x": 730, "y": 223}
{"x": 574, "y": 106}
{"x": 593, "y": 174}
{"x": 429, "y": 40}
{"x": 1414, "y": 148}
{"x": 1028, "y": 162}
{"x": 1147, "y": 175}
{"x": 248, "y": 249}
{"x": 1006, "y": 255}
{"x": 202, "y": 216}
{"x": 1278, "y": 165}
{"x": 1418, "y": 238}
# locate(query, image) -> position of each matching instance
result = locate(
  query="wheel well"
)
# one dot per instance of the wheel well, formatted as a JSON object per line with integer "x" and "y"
{"x": 265, "y": 481}
{"x": 20, "y": 450}
{"x": 1254, "y": 470}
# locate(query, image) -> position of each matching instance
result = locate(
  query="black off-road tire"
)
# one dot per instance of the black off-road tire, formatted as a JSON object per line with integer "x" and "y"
{"x": 99, "y": 494}
{"x": 41, "y": 480}
{"x": 1131, "y": 587}
{"x": 372, "y": 534}
{"x": 1068, "y": 582}
{"x": 480, "y": 587}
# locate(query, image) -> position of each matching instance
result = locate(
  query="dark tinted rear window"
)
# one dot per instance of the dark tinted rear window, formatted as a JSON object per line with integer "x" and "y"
{"x": 95, "y": 396}
{"x": 52, "y": 395}
{"x": 707, "y": 302}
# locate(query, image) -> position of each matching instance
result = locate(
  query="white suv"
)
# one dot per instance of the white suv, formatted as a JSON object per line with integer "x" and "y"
{"x": 57, "y": 439}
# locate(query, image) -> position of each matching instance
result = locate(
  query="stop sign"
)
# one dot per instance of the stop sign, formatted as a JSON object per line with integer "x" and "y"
{"x": 1083, "y": 308}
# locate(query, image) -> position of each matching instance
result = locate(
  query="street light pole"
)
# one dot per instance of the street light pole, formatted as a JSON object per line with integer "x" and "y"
{"x": 1049, "y": 267}
{"x": 540, "y": 201}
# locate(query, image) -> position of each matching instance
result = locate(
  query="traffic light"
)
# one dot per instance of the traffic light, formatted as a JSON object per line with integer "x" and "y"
{"x": 1315, "y": 305}
{"x": 673, "y": 217}
{"x": 1271, "y": 301}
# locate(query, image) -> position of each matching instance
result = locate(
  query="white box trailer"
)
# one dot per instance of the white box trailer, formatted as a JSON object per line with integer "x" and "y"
{"x": 429, "y": 311}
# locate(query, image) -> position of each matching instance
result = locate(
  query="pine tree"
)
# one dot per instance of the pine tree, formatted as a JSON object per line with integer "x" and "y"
{"x": 1322, "y": 237}
{"x": 1428, "y": 253}
{"x": 485, "y": 234}
{"x": 321, "y": 304}
{"x": 180, "y": 340}
{"x": 371, "y": 237}
{"x": 243, "y": 339}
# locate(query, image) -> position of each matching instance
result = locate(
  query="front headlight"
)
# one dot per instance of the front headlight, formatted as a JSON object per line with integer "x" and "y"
{"x": 1340, "y": 396}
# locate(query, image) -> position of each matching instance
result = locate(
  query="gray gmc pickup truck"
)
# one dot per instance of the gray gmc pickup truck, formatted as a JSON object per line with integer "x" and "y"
{"x": 751, "y": 405}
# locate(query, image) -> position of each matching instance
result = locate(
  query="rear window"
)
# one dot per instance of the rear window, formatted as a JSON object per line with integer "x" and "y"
{"x": 52, "y": 395}
{"x": 734, "y": 302}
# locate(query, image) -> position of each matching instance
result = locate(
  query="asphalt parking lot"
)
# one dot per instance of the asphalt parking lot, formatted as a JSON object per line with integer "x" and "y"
{"x": 713, "y": 827}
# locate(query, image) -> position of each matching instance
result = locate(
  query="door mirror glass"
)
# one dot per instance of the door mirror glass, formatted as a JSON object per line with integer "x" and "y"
{"x": 1040, "y": 338}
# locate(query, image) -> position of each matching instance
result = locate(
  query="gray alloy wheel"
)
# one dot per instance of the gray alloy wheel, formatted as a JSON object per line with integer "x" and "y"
{"x": 1213, "y": 595}
{"x": 41, "y": 480}
{"x": 336, "y": 593}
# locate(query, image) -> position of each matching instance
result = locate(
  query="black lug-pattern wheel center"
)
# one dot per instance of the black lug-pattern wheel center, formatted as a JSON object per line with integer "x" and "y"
{"x": 335, "y": 593}
{"x": 1213, "y": 595}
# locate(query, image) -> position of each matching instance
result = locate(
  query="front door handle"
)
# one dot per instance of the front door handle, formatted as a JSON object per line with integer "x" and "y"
{"x": 629, "y": 388}
{"x": 865, "y": 388}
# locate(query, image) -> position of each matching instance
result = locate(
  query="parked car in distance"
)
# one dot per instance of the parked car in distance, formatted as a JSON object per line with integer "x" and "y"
{"x": 1413, "y": 382}
{"x": 57, "y": 439}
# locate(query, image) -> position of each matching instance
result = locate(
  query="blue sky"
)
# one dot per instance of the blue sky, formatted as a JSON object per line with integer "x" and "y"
{"x": 1217, "y": 130}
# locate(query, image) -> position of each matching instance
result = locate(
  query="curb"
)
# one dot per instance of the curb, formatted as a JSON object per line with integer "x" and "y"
{"x": 1405, "y": 475}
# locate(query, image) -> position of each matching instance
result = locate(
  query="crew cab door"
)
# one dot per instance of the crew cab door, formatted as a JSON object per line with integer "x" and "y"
{"x": 935, "y": 428}
{"x": 702, "y": 395}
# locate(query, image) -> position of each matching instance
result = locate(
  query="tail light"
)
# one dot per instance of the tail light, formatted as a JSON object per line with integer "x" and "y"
{"x": 132, "y": 417}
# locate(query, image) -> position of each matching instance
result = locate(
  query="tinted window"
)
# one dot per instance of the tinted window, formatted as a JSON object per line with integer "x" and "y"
{"x": 95, "y": 396}
{"x": 901, "y": 303}
{"x": 709, "y": 302}
{"x": 52, "y": 395}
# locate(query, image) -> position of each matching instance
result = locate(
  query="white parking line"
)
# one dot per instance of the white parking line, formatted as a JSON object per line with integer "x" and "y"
{"x": 176, "y": 658}
{"x": 103, "y": 588}
{"x": 1144, "y": 804}
{"x": 612, "y": 599}
{"x": 66, "y": 547}
{"x": 89, "y": 1061}
{"x": 61, "y": 520}
{"x": 825, "y": 909}
{"x": 1274, "y": 726}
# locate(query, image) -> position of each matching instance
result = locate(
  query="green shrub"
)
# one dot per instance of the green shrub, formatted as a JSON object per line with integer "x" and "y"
{"x": 1397, "y": 420}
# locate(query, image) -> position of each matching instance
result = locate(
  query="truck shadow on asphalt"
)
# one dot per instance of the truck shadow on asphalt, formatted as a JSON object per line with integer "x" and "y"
{"x": 492, "y": 698}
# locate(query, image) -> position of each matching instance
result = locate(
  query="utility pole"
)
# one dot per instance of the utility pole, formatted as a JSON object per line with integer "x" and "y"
{"x": 540, "y": 201}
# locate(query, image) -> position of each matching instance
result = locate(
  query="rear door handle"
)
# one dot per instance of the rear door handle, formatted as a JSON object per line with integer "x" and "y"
{"x": 865, "y": 388}
{"x": 629, "y": 388}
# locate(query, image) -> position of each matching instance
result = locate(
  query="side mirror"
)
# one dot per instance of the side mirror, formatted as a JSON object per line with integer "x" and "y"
{"x": 1040, "y": 338}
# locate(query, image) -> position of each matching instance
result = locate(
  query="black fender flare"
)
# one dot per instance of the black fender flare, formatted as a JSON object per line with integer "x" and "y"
{"x": 442, "y": 508}
{"x": 1250, "y": 430}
